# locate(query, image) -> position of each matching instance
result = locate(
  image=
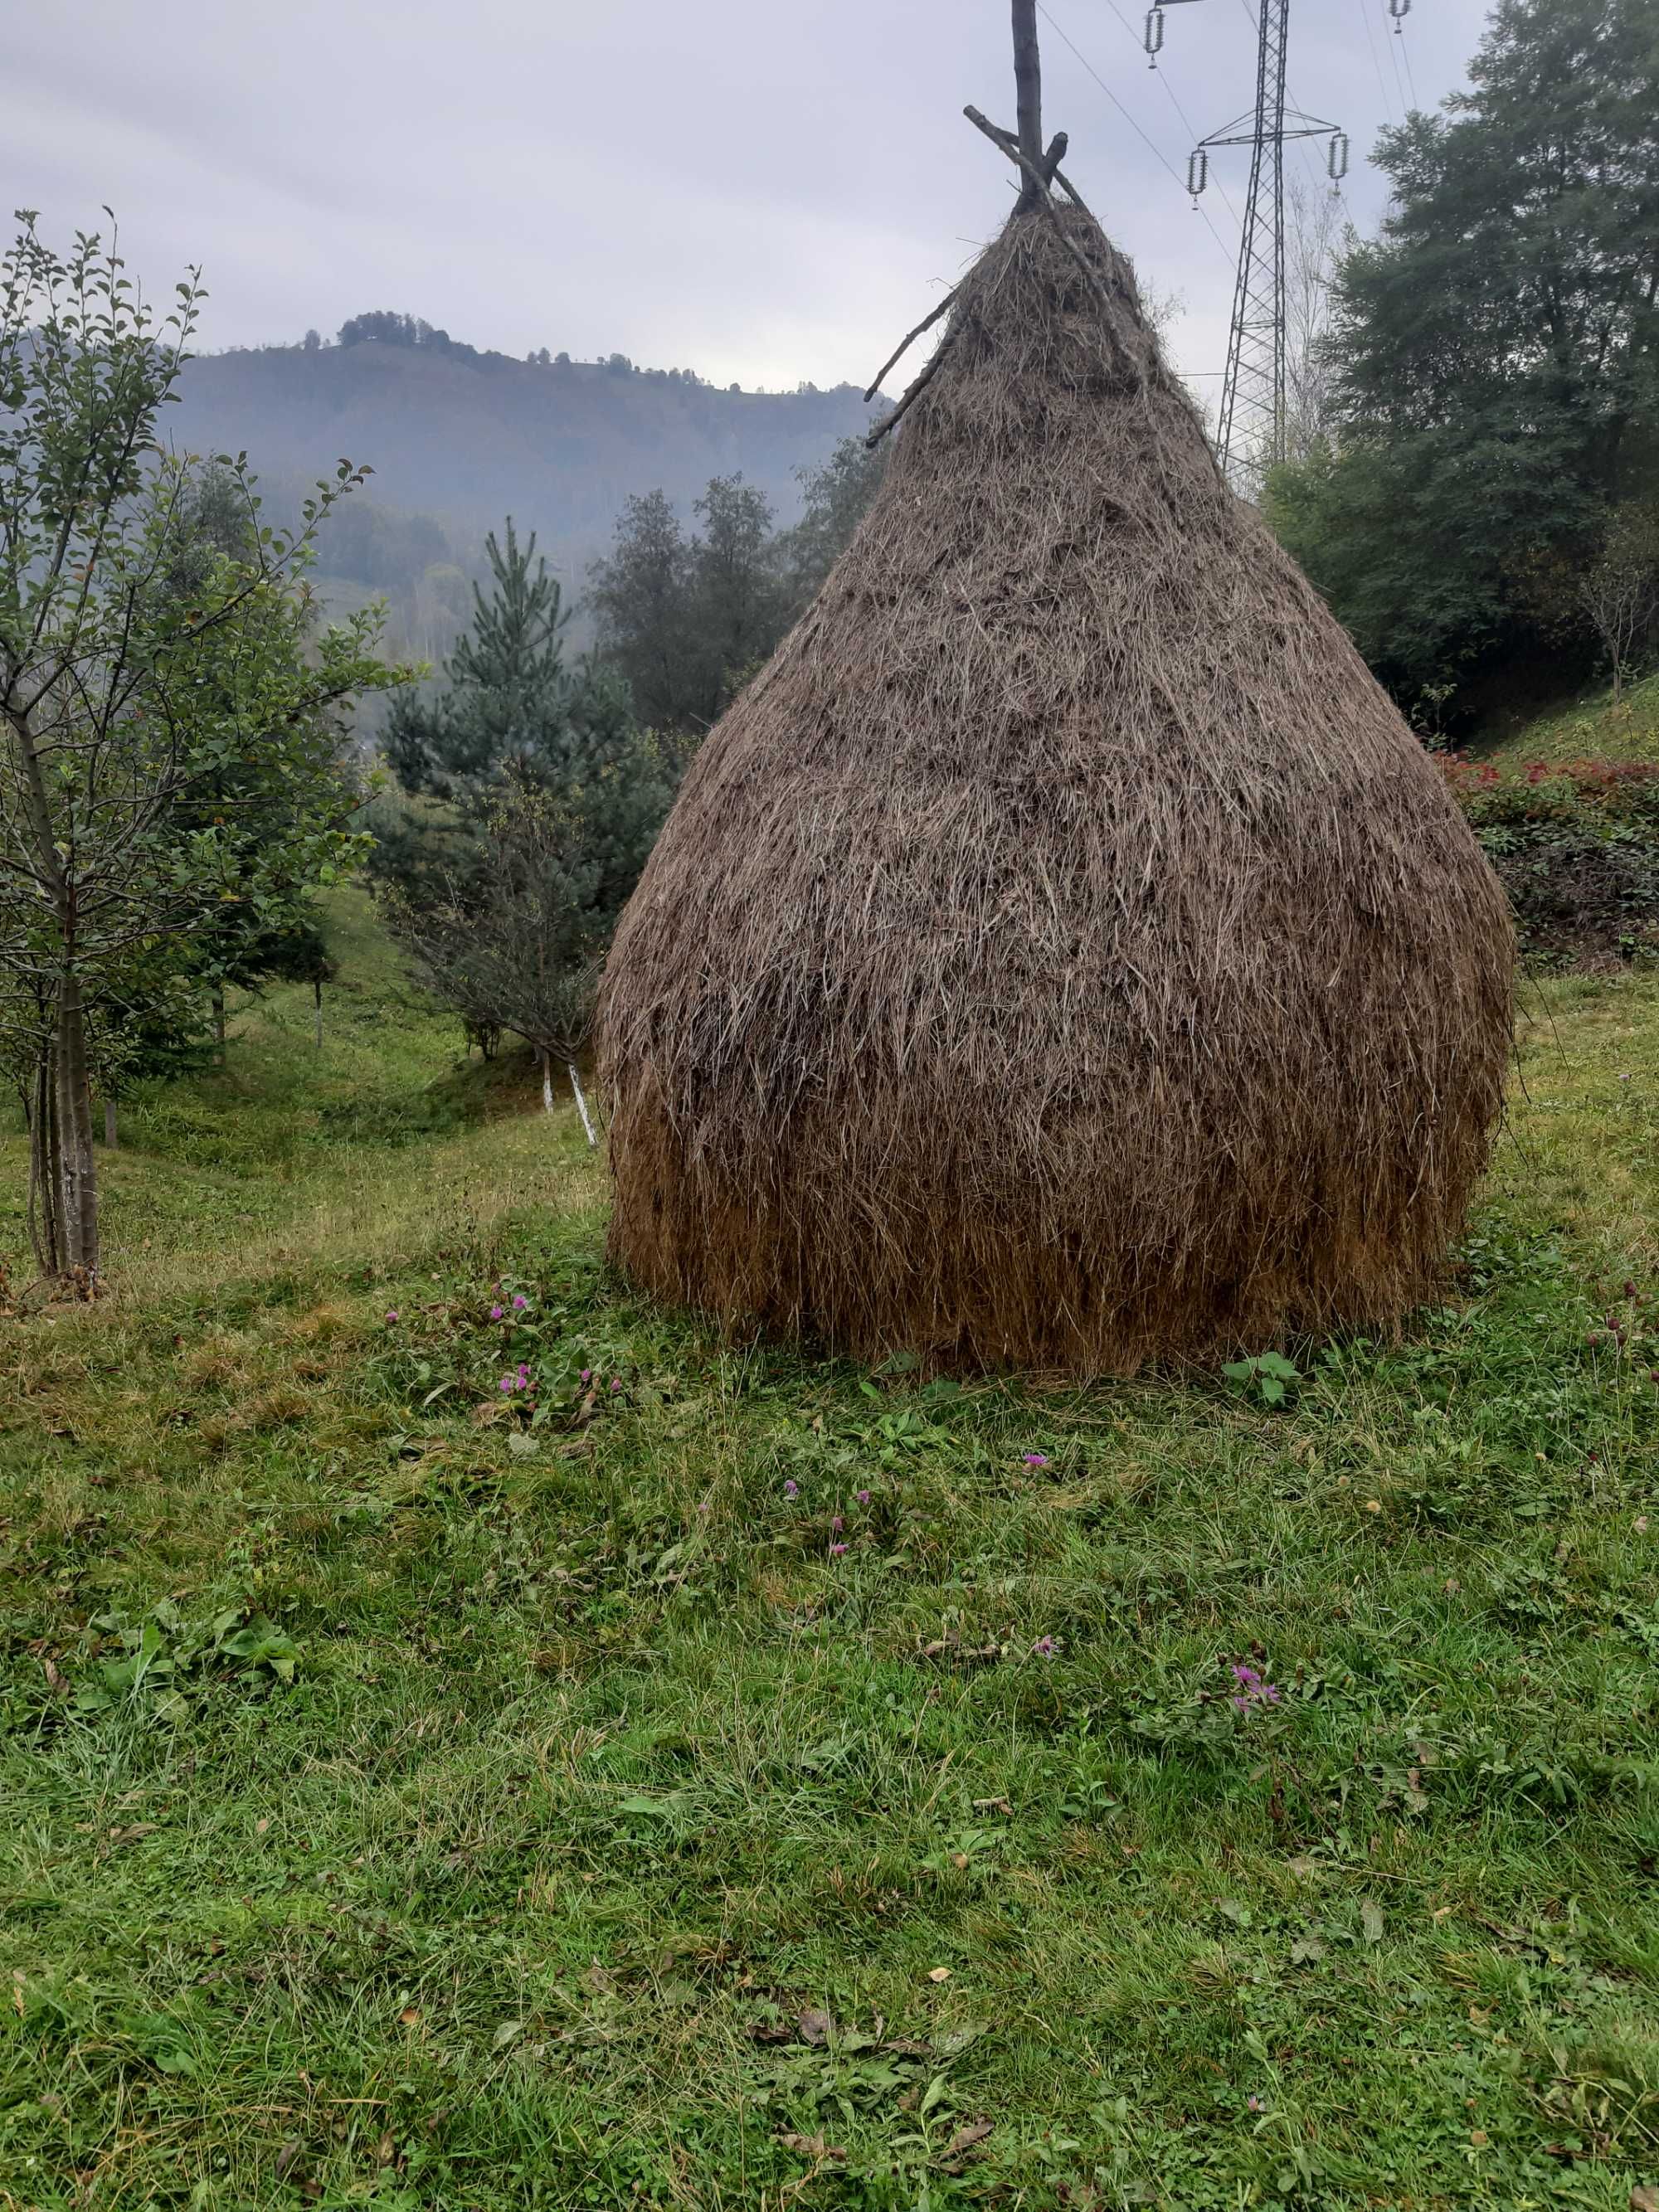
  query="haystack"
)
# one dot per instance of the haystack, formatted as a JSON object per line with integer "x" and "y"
{"x": 1062, "y": 955}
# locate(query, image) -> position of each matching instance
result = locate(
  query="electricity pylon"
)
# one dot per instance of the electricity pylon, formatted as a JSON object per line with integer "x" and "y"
{"x": 1250, "y": 433}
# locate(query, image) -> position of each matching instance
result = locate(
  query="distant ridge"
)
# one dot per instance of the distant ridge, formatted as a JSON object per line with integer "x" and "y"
{"x": 466, "y": 437}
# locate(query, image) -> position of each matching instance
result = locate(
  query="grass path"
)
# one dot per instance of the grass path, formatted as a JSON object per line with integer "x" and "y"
{"x": 750, "y": 1781}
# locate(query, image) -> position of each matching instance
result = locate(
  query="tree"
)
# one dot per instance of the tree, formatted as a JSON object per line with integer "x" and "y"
{"x": 124, "y": 701}
{"x": 738, "y": 605}
{"x": 1316, "y": 238}
{"x": 687, "y": 620}
{"x": 522, "y": 761}
{"x": 643, "y": 597}
{"x": 1619, "y": 589}
{"x": 1495, "y": 354}
{"x": 835, "y": 498}
{"x": 507, "y": 695}
{"x": 517, "y": 944}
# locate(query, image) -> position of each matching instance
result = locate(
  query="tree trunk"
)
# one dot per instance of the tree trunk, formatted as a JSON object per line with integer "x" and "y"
{"x": 77, "y": 1163}
{"x": 111, "y": 1138}
{"x": 1028, "y": 87}
{"x": 45, "y": 1197}
{"x": 317, "y": 989}
{"x": 547, "y": 1084}
{"x": 219, "y": 1024}
{"x": 581, "y": 1102}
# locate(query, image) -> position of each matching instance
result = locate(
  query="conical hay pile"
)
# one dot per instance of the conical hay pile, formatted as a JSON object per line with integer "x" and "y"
{"x": 1062, "y": 954}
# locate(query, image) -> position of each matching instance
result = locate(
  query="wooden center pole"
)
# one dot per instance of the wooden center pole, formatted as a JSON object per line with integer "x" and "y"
{"x": 1028, "y": 88}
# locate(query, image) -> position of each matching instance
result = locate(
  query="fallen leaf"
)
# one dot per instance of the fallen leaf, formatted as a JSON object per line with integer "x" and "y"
{"x": 1371, "y": 1920}
{"x": 410, "y": 2016}
{"x": 1479, "y": 2137}
{"x": 1644, "y": 2197}
{"x": 288, "y": 2154}
{"x": 965, "y": 2138}
{"x": 814, "y": 2027}
{"x": 260, "y": 1826}
{"x": 812, "y": 2146}
{"x": 939, "y": 1973}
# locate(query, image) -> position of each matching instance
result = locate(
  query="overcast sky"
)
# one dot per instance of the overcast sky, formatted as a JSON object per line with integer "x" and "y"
{"x": 765, "y": 191}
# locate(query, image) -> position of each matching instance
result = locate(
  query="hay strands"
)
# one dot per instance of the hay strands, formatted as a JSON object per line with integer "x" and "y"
{"x": 1040, "y": 176}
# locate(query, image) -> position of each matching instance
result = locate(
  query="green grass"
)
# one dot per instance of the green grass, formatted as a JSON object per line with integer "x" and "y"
{"x": 409, "y": 1806}
{"x": 1594, "y": 729}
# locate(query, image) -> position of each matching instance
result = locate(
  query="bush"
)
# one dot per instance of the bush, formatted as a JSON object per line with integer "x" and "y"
{"x": 1577, "y": 848}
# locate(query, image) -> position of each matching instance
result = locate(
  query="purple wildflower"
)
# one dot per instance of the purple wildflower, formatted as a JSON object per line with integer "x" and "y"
{"x": 391, "y": 1313}
{"x": 615, "y": 1382}
{"x": 791, "y": 1487}
{"x": 497, "y": 1313}
{"x": 1036, "y": 1459}
{"x": 836, "y": 1523}
{"x": 587, "y": 1374}
{"x": 519, "y": 1302}
{"x": 1252, "y": 1690}
{"x": 507, "y": 1381}
{"x": 864, "y": 1498}
{"x": 1255, "y": 2103}
{"x": 835, "y": 1550}
{"x": 1044, "y": 1647}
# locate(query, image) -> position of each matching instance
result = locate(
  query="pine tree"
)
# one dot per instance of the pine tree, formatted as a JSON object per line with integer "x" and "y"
{"x": 529, "y": 802}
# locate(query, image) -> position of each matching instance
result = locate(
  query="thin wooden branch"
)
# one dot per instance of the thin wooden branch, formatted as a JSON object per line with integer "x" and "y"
{"x": 905, "y": 345}
{"x": 1055, "y": 154}
{"x": 912, "y": 395}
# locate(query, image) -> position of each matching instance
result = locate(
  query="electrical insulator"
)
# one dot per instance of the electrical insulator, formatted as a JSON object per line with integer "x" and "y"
{"x": 1153, "y": 38}
{"x": 1198, "y": 172}
{"x": 1336, "y": 160}
{"x": 1399, "y": 9}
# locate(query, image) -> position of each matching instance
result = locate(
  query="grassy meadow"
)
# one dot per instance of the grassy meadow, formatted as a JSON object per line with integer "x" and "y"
{"x": 566, "y": 1759}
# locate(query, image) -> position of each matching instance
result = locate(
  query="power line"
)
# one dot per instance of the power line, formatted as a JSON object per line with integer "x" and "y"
{"x": 1382, "y": 82}
{"x": 1187, "y": 120}
{"x": 1406, "y": 105}
{"x": 1221, "y": 243}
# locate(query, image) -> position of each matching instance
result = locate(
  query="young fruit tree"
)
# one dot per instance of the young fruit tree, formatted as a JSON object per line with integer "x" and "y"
{"x": 1619, "y": 589}
{"x": 164, "y": 753}
{"x": 516, "y": 944}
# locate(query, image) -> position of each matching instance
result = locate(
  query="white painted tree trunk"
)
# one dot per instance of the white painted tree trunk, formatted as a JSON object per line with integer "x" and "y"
{"x": 581, "y": 1102}
{"x": 547, "y": 1084}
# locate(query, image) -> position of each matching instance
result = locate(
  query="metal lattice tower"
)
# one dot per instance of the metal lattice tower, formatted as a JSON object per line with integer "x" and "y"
{"x": 1250, "y": 433}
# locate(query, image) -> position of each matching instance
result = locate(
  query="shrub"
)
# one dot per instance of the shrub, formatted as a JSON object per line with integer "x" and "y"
{"x": 1575, "y": 846}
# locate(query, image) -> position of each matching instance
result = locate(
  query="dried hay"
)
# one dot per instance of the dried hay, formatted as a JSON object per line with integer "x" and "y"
{"x": 1062, "y": 954}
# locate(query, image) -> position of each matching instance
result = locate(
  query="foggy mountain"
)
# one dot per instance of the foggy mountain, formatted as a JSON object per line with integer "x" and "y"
{"x": 458, "y": 438}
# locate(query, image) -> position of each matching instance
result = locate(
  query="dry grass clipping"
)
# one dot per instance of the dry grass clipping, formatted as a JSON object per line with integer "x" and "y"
{"x": 1062, "y": 954}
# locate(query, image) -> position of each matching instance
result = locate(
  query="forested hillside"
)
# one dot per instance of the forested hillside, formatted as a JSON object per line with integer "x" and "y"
{"x": 458, "y": 439}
